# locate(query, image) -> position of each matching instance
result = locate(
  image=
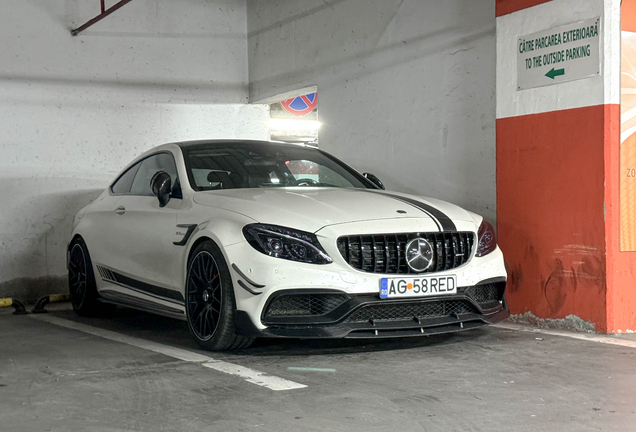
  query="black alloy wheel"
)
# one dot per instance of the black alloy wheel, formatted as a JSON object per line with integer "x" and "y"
{"x": 81, "y": 281}
{"x": 77, "y": 276}
{"x": 210, "y": 302}
{"x": 204, "y": 295}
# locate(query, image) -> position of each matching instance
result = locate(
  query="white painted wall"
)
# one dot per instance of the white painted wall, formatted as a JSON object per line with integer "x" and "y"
{"x": 74, "y": 110}
{"x": 406, "y": 88}
{"x": 602, "y": 89}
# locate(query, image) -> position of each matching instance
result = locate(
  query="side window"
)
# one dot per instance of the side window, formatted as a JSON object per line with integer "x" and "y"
{"x": 148, "y": 168}
{"x": 123, "y": 183}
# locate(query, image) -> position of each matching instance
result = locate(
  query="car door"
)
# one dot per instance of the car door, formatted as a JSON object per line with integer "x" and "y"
{"x": 143, "y": 256}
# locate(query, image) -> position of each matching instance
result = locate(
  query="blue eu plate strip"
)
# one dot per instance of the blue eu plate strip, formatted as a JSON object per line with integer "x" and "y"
{"x": 384, "y": 288}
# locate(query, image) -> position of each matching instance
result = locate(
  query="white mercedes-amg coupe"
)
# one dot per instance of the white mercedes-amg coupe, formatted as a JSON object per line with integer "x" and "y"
{"x": 246, "y": 239}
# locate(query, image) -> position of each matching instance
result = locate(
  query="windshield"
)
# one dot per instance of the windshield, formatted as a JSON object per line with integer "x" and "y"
{"x": 264, "y": 165}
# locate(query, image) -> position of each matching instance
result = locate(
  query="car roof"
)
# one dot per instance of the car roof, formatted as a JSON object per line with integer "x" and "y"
{"x": 225, "y": 142}
{"x": 191, "y": 145}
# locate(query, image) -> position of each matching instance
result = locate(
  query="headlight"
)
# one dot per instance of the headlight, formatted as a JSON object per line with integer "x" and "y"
{"x": 487, "y": 239}
{"x": 286, "y": 243}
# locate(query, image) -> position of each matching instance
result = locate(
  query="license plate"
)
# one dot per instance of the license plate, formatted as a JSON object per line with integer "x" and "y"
{"x": 422, "y": 286}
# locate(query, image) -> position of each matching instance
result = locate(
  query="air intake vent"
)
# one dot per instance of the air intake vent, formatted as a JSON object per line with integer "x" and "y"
{"x": 303, "y": 305}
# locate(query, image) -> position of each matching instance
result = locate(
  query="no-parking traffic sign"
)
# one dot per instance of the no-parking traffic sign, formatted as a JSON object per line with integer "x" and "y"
{"x": 301, "y": 105}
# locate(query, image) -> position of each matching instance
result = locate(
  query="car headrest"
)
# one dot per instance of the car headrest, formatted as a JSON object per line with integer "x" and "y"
{"x": 227, "y": 181}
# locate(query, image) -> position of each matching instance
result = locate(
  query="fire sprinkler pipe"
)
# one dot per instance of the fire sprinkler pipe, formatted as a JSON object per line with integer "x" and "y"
{"x": 101, "y": 16}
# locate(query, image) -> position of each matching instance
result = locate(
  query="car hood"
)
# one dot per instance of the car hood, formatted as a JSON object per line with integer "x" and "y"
{"x": 310, "y": 209}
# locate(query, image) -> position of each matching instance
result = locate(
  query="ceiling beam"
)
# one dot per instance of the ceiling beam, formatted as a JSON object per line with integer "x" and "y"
{"x": 101, "y": 16}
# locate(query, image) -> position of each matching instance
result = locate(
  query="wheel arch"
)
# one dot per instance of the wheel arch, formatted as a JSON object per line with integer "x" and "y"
{"x": 222, "y": 231}
{"x": 193, "y": 246}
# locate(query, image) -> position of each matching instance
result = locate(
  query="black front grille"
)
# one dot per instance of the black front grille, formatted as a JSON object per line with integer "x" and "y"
{"x": 409, "y": 311}
{"x": 303, "y": 305}
{"x": 384, "y": 253}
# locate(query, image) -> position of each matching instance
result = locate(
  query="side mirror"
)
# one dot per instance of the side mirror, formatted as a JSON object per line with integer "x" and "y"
{"x": 373, "y": 179}
{"x": 161, "y": 184}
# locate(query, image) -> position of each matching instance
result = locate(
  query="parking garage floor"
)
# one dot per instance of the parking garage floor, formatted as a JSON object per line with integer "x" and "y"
{"x": 134, "y": 371}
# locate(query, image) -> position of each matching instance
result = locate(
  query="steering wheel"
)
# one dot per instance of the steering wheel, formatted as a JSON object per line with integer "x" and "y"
{"x": 305, "y": 182}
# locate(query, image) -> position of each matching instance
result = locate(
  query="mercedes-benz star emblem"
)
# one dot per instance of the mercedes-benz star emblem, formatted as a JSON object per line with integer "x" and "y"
{"x": 419, "y": 254}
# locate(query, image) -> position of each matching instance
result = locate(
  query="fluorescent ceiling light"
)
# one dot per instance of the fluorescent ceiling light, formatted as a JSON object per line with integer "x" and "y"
{"x": 280, "y": 123}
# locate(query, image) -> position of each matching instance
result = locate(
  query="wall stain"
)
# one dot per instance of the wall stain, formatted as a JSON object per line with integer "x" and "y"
{"x": 574, "y": 278}
{"x": 593, "y": 269}
{"x": 516, "y": 272}
{"x": 554, "y": 287}
{"x": 590, "y": 273}
{"x": 515, "y": 279}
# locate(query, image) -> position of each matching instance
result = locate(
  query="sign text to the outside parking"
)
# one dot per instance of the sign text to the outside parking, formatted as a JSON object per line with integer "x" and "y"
{"x": 560, "y": 54}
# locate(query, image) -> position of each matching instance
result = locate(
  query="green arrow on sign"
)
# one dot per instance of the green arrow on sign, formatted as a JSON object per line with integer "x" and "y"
{"x": 554, "y": 73}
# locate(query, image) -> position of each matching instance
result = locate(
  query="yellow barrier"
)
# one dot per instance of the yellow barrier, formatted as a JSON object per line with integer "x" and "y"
{"x": 4, "y": 302}
{"x": 56, "y": 298}
{"x": 53, "y": 298}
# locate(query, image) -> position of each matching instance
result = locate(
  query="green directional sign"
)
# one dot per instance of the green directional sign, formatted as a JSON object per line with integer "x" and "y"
{"x": 554, "y": 73}
{"x": 560, "y": 54}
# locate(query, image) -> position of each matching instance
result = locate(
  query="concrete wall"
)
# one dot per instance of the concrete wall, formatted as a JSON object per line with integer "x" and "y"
{"x": 406, "y": 88}
{"x": 74, "y": 110}
{"x": 558, "y": 175}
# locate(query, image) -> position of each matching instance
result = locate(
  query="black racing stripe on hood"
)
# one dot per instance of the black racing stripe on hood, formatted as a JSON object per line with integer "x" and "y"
{"x": 443, "y": 221}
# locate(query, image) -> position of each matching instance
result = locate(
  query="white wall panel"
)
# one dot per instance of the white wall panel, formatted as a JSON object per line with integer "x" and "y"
{"x": 406, "y": 88}
{"x": 194, "y": 47}
{"x": 75, "y": 110}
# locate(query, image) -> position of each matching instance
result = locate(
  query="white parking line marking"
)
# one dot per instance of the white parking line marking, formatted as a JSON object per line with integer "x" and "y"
{"x": 590, "y": 337}
{"x": 250, "y": 375}
{"x": 253, "y": 376}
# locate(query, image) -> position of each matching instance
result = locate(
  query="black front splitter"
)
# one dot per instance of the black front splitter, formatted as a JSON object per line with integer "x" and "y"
{"x": 373, "y": 330}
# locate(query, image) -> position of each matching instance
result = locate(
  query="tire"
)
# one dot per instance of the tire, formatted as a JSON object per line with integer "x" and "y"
{"x": 81, "y": 282}
{"x": 210, "y": 303}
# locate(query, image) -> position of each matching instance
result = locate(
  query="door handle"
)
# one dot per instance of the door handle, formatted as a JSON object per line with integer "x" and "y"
{"x": 120, "y": 210}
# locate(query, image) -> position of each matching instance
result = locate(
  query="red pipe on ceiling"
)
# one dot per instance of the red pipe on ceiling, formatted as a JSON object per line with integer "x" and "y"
{"x": 101, "y": 16}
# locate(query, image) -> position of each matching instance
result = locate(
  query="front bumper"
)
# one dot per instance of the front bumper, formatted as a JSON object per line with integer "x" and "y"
{"x": 260, "y": 280}
{"x": 335, "y": 314}
{"x": 258, "y": 277}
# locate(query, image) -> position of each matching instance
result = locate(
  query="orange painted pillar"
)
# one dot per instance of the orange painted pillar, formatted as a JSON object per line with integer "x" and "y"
{"x": 558, "y": 160}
